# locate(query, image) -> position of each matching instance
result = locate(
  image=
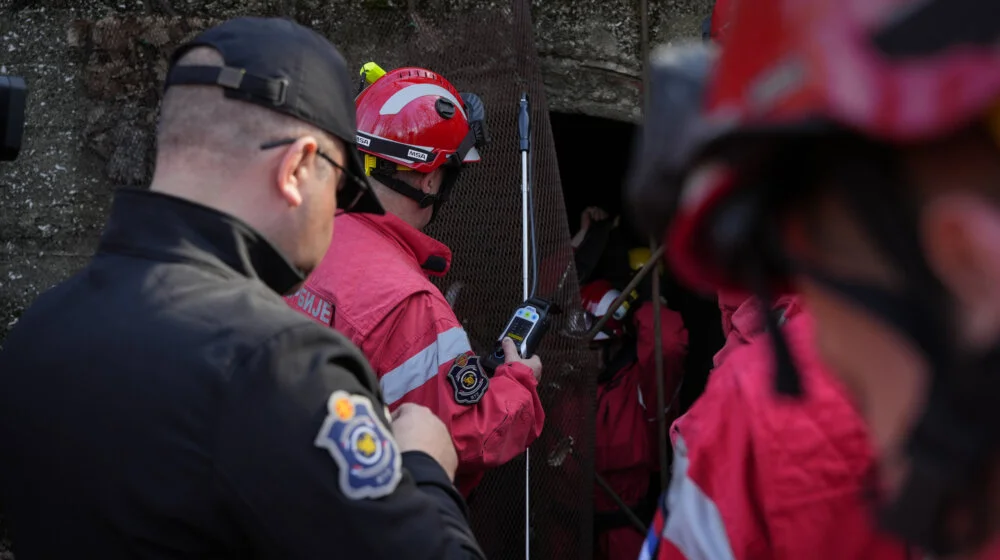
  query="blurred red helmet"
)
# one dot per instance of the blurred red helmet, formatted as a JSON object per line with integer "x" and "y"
{"x": 896, "y": 71}
{"x": 417, "y": 119}
{"x": 597, "y": 298}
{"x": 720, "y": 21}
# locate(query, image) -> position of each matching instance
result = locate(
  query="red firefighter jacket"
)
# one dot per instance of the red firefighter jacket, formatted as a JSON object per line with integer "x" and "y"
{"x": 758, "y": 476}
{"x": 625, "y": 441}
{"x": 373, "y": 286}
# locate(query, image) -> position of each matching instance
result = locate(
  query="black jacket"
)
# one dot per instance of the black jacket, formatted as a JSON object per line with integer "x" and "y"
{"x": 166, "y": 403}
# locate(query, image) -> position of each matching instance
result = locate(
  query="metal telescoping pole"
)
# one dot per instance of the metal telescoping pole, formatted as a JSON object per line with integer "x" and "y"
{"x": 524, "y": 146}
{"x": 661, "y": 391}
{"x": 524, "y": 218}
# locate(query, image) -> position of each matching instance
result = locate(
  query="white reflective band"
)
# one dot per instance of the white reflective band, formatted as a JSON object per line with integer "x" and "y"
{"x": 423, "y": 366}
{"x": 403, "y": 97}
{"x": 602, "y": 306}
{"x": 693, "y": 524}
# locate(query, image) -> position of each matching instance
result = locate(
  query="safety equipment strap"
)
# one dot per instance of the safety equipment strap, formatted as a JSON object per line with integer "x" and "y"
{"x": 391, "y": 148}
{"x": 385, "y": 170}
{"x": 232, "y": 79}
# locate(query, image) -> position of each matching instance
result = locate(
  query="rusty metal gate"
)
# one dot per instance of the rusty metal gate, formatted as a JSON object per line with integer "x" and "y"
{"x": 118, "y": 52}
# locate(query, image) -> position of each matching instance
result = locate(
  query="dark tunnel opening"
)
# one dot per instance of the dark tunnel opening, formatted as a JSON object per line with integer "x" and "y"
{"x": 587, "y": 181}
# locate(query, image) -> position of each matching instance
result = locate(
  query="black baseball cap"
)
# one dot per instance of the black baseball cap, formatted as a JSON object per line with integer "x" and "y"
{"x": 279, "y": 64}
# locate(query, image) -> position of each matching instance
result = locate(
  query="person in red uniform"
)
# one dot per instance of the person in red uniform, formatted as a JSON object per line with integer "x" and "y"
{"x": 416, "y": 131}
{"x": 757, "y": 477}
{"x": 860, "y": 165}
{"x": 626, "y": 451}
{"x": 754, "y": 475}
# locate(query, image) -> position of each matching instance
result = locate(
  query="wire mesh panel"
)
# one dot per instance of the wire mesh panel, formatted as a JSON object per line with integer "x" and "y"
{"x": 115, "y": 55}
{"x": 489, "y": 49}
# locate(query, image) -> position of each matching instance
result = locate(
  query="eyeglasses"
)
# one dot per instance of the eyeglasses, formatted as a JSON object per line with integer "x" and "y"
{"x": 349, "y": 188}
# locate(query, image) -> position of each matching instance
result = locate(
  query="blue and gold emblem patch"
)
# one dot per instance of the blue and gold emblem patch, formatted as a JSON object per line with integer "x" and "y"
{"x": 369, "y": 460}
{"x": 468, "y": 379}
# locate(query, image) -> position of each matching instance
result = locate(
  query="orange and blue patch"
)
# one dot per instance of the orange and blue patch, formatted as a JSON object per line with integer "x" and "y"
{"x": 368, "y": 458}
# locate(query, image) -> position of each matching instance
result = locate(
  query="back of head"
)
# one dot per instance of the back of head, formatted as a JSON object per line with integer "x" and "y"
{"x": 413, "y": 123}
{"x": 254, "y": 122}
{"x": 209, "y": 152}
{"x": 202, "y": 131}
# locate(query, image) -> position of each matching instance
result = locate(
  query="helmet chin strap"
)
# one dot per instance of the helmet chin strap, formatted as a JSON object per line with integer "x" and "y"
{"x": 424, "y": 200}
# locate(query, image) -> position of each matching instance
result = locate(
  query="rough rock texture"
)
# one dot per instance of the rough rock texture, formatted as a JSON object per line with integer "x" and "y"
{"x": 94, "y": 69}
{"x": 590, "y": 50}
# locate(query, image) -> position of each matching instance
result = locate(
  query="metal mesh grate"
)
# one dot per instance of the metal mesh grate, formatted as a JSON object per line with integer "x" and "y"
{"x": 491, "y": 51}
{"x": 117, "y": 55}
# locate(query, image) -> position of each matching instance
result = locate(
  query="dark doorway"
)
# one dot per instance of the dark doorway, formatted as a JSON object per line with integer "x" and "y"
{"x": 594, "y": 157}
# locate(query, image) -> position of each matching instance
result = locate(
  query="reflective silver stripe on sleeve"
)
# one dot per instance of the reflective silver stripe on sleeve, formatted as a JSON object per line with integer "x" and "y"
{"x": 423, "y": 366}
{"x": 694, "y": 524}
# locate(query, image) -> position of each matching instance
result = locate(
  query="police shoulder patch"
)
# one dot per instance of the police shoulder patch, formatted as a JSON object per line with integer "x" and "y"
{"x": 369, "y": 460}
{"x": 468, "y": 379}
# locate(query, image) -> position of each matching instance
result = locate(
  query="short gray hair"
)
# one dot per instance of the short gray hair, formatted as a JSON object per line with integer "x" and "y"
{"x": 200, "y": 122}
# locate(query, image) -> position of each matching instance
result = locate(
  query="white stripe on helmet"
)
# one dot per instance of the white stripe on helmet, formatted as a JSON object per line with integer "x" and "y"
{"x": 403, "y": 97}
{"x": 602, "y": 306}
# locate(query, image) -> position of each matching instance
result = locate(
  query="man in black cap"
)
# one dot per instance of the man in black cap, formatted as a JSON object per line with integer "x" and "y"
{"x": 165, "y": 402}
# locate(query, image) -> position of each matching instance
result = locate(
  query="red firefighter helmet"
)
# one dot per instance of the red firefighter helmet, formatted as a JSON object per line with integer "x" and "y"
{"x": 720, "y": 20}
{"x": 417, "y": 119}
{"x": 597, "y": 298}
{"x": 412, "y": 119}
{"x": 893, "y": 70}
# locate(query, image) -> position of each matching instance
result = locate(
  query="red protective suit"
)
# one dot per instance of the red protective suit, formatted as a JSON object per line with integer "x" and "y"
{"x": 373, "y": 286}
{"x": 759, "y": 476}
{"x": 625, "y": 441}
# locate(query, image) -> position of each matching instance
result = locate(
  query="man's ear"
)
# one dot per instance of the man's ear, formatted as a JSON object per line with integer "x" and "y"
{"x": 426, "y": 181}
{"x": 295, "y": 166}
{"x": 961, "y": 234}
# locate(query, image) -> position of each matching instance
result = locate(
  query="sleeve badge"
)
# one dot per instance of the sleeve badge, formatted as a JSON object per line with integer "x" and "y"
{"x": 369, "y": 460}
{"x": 468, "y": 379}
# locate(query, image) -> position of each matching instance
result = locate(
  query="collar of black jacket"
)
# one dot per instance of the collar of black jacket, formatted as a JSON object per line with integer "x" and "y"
{"x": 163, "y": 227}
